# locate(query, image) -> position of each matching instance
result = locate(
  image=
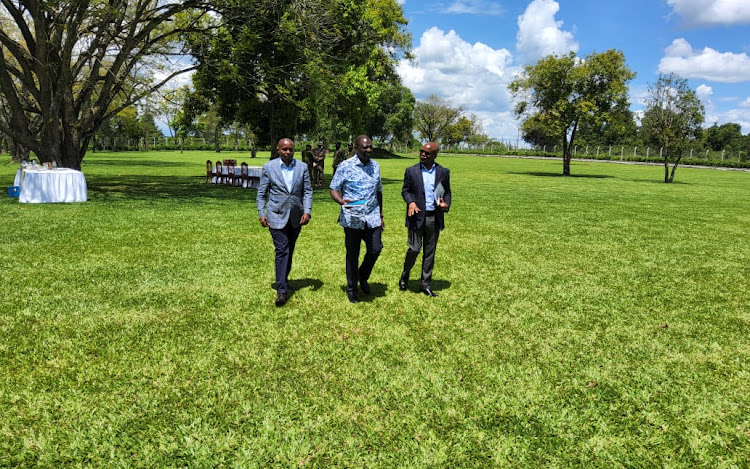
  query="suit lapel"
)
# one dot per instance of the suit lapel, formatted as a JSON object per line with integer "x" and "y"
{"x": 418, "y": 178}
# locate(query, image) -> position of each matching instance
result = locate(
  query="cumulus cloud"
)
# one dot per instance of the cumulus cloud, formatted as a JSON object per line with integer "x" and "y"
{"x": 473, "y": 7}
{"x": 707, "y": 64}
{"x": 745, "y": 103}
{"x": 704, "y": 93}
{"x": 472, "y": 75}
{"x": 539, "y": 34}
{"x": 712, "y": 12}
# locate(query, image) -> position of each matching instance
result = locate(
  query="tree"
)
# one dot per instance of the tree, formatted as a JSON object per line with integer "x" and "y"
{"x": 466, "y": 129}
{"x": 434, "y": 116}
{"x": 724, "y": 137}
{"x": 68, "y": 66}
{"x": 672, "y": 118}
{"x": 560, "y": 93}
{"x": 285, "y": 67}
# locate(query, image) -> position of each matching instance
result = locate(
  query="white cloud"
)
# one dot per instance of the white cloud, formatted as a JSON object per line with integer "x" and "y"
{"x": 707, "y": 64}
{"x": 745, "y": 103}
{"x": 712, "y": 12}
{"x": 704, "y": 93}
{"x": 473, "y": 7}
{"x": 472, "y": 75}
{"x": 539, "y": 34}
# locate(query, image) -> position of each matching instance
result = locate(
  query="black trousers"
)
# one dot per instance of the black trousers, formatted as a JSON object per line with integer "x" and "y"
{"x": 373, "y": 245}
{"x": 424, "y": 239}
{"x": 284, "y": 241}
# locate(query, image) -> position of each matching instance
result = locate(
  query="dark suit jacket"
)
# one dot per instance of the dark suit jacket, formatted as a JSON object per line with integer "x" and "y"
{"x": 276, "y": 202}
{"x": 413, "y": 191}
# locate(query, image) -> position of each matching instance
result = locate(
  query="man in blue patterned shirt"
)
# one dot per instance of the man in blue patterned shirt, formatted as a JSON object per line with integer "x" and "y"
{"x": 357, "y": 187}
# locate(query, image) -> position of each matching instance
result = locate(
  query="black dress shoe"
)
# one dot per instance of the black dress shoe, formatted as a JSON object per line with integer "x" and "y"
{"x": 429, "y": 292}
{"x": 403, "y": 282}
{"x": 281, "y": 299}
{"x": 365, "y": 287}
{"x": 353, "y": 298}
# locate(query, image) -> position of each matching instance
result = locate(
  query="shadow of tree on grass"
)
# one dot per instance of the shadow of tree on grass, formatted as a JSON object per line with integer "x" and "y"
{"x": 559, "y": 175}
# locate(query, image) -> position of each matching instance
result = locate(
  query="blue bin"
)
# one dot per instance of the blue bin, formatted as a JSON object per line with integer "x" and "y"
{"x": 14, "y": 191}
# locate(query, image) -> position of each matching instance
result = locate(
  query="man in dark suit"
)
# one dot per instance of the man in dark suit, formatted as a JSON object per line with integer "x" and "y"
{"x": 284, "y": 203}
{"x": 427, "y": 193}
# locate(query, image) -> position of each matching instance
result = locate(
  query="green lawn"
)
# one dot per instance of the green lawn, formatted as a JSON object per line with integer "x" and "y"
{"x": 598, "y": 320}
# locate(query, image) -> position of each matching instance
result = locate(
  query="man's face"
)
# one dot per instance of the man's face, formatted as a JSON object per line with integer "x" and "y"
{"x": 427, "y": 155}
{"x": 286, "y": 151}
{"x": 364, "y": 149}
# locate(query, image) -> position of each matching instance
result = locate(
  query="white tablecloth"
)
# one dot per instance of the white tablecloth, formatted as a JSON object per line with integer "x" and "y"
{"x": 253, "y": 172}
{"x": 51, "y": 185}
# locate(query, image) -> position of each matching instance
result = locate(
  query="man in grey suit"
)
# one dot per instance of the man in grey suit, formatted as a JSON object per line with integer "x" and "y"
{"x": 284, "y": 202}
{"x": 427, "y": 193}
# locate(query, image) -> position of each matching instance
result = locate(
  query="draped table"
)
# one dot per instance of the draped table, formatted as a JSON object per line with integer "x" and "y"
{"x": 50, "y": 185}
{"x": 253, "y": 174}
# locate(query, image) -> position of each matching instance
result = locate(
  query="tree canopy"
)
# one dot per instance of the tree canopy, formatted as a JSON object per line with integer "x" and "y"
{"x": 434, "y": 116}
{"x": 295, "y": 66}
{"x": 559, "y": 93}
{"x": 68, "y": 66}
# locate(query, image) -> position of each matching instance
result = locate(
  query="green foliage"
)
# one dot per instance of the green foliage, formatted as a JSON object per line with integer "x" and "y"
{"x": 672, "y": 119}
{"x": 67, "y": 67}
{"x": 138, "y": 329}
{"x": 724, "y": 137}
{"x": 434, "y": 117}
{"x": 297, "y": 67}
{"x": 561, "y": 93}
{"x": 466, "y": 129}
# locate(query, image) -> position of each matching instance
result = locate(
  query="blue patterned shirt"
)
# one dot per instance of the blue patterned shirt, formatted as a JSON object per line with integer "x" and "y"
{"x": 356, "y": 181}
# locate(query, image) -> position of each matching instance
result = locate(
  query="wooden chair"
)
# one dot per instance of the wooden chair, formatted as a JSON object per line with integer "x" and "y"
{"x": 219, "y": 175}
{"x": 230, "y": 178}
{"x": 244, "y": 179}
{"x": 209, "y": 171}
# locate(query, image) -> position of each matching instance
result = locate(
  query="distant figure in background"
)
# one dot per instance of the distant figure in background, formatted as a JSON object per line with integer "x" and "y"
{"x": 253, "y": 152}
{"x": 427, "y": 193}
{"x": 339, "y": 156}
{"x": 319, "y": 156}
{"x": 284, "y": 204}
{"x": 307, "y": 158}
{"x": 357, "y": 187}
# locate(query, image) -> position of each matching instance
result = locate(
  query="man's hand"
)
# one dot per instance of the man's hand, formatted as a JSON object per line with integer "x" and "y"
{"x": 382, "y": 223}
{"x": 442, "y": 205}
{"x": 264, "y": 222}
{"x": 413, "y": 209}
{"x": 305, "y": 219}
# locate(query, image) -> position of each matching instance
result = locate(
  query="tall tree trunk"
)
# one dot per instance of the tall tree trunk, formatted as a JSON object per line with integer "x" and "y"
{"x": 566, "y": 156}
{"x": 674, "y": 168}
{"x": 666, "y": 169}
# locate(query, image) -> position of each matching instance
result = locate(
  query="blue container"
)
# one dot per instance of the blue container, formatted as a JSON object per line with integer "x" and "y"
{"x": 14, "y": 191}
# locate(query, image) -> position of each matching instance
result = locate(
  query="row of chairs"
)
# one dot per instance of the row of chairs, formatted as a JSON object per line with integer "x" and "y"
{"x": 232, "y": 179}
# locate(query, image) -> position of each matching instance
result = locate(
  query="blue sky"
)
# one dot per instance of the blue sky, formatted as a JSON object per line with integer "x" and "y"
{"x": 467, "y": 51}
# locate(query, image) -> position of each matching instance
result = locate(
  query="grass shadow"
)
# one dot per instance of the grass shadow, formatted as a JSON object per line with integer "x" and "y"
{"x": 162, "y": 188}
{"x": 436, "y": 285}
{"x": 147, "y": 163}
{"x": 313, "y": 284}
{"x": 661, "y": 181}
{"x": 377, "y": 290}
{"x": 559, "y": 175}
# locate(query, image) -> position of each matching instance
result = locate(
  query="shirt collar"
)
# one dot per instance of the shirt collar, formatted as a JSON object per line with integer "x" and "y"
{"x": 424, "y": 168}
{"x": 291, "y": 165}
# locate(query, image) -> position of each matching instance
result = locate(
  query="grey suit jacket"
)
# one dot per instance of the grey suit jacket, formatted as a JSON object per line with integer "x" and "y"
{"x": 279, "y": 204}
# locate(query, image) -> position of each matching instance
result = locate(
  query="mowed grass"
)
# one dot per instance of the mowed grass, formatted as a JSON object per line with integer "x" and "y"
{"x": 598, "y": 320}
